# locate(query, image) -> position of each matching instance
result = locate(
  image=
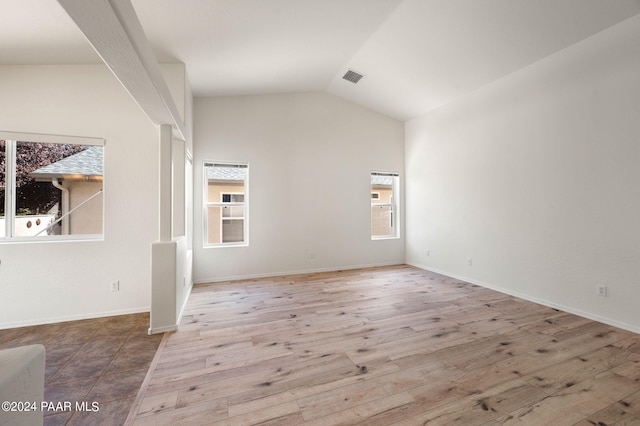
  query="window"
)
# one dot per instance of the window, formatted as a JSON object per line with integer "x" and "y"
{"x": 50, "y": 187}
{"x": 226, "y": 221}
{"x": 384, "y": 205}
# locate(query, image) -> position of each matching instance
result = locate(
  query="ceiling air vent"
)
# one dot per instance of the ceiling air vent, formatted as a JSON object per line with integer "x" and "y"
{"x": 352, "y": 76}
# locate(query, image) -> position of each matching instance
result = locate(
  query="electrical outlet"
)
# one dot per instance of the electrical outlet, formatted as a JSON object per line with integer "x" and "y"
{"x": 602, "y": 290}
{"x": 428, "y": 252}
{"x": 469, "y": 261}
{"x": 115, "y": 286}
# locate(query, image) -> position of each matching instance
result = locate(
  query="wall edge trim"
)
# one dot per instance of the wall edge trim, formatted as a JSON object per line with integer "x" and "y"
{"x": 295, "y": 272}
{"x": 78, "y": 317}
{"x": 164, "y": 329}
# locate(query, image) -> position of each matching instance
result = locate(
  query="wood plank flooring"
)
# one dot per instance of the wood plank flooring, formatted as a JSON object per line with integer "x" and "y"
{"x": 379, "y": 346}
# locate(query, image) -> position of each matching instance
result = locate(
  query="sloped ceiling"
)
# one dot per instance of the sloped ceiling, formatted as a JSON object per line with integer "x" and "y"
{"x": 415, "y": 54}
{"x": 430, "y": 52}
{"x": 40, "y": 32}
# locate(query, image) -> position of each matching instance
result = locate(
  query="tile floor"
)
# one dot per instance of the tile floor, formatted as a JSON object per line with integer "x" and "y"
{"x": 102, "y": 360}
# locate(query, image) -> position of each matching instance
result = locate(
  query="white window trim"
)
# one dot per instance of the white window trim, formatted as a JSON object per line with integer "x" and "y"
{"x": 10, "y": 191}
{"x": 394, "y": 204}
{"x": 206, "y": 204}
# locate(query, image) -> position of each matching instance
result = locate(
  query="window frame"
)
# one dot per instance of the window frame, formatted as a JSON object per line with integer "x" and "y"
{"x": 393, "y": 204}
{"x": 12, "y": 139}
{"x": 206, "y": 204}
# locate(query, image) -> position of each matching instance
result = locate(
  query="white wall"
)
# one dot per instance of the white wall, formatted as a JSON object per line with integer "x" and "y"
{"x": 53, "y": 281}
{"x": 310, "y": 157}
{"x": 534, "y": 176}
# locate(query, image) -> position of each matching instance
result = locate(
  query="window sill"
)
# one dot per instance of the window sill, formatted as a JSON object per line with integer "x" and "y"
{"x": 58, "y": 239}
{"x": 224, "y": 245}
{"x": 385, "y": 238}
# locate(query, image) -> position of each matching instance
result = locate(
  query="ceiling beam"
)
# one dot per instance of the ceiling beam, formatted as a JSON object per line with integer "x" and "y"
{"x": 114, "y": 31}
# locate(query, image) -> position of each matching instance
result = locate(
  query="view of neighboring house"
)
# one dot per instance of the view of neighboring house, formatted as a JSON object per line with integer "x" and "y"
{"x": 382, "y": 206}
{"x": 226, "y": 199}
{"x": 79, "y": 178}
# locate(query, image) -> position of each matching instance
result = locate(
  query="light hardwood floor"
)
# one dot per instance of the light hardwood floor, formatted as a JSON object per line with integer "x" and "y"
{"x": 392, "y": 345}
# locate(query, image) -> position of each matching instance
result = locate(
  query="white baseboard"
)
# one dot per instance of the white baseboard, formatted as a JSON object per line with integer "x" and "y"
{"x": 74, "y": 317}
{"x": 173, "y": 327}
{"x": 184, "y": 305}
{"x": 294, "y": 272}
{"x": 165, "y": 329}
{"x": 568, "y": 309}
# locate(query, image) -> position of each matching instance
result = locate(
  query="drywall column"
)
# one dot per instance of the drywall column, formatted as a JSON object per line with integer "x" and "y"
{"x": 166, "y": 182}
{"x": 163, "y": 252}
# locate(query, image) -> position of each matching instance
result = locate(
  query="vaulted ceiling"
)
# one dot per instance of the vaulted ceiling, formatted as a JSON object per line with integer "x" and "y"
{"x": 415, "y": 54}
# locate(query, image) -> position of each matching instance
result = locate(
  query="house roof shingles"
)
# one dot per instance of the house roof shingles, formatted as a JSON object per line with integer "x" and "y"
{"x": 226, "y": 173}
{"x": 85, "y": 163}
{"x": 381, "y": 180}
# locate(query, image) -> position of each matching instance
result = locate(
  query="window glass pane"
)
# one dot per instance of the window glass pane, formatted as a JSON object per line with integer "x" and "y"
{"x": 226, "y": 203}
{"x": 232, "y": 198}
{"x": 382, "y": 221}
{"x": 382, "y": 189}
{"x": 225, "y": 224}
{"x": 383, "y": 214}
{"x": 224, "y": 183}
{"x": 3, "y": 177}
{"x": 232, "y": 230}
{"x": 58, "y": 189}
{"x": 214, "y": 230}
{"x": 233, "y": 211}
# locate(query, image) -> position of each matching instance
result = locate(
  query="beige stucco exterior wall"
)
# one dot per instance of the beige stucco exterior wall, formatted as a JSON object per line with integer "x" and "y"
{"x": 88, "y": 218}
{"x": 214, "y": 194}
{"x": 381, "y": 215}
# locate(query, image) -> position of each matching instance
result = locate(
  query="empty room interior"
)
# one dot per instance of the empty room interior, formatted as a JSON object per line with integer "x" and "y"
{"x": 321, "y": 211}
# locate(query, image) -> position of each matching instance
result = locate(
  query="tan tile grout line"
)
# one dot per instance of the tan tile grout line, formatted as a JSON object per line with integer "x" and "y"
{"x": 102, "y": 373}
{"x": 47, "y": 337}
{"x": 145, "y": 383}
{"x": 67, "y": 362}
